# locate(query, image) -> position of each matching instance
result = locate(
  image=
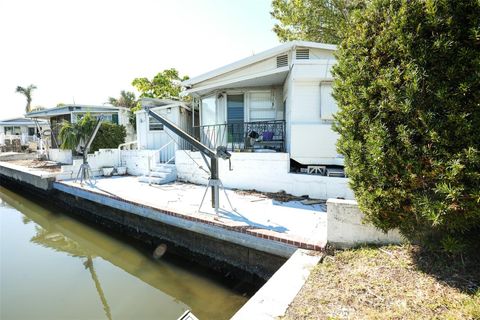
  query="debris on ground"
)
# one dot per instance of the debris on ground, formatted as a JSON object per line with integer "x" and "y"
{"x": 280, "y": 196}
{"x": 44, "y": 165}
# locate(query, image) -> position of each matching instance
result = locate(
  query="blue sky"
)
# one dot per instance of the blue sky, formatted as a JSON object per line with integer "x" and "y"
{"x": 91, "y": 49}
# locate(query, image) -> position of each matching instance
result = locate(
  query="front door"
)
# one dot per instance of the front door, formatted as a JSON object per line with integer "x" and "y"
{"x": 235, "y": 117}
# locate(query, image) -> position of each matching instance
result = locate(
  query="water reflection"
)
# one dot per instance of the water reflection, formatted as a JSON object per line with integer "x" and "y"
{"x": 59, "y": 242}
{"x": 123, "y": 282}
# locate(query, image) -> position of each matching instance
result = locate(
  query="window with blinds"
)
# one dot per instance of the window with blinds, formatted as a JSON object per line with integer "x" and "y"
{"x": 261, "y": 106}
{"x": 154, "y": 124}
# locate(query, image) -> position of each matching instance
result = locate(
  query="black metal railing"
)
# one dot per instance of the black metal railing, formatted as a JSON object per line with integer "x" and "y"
{"x": 245, "y": 136}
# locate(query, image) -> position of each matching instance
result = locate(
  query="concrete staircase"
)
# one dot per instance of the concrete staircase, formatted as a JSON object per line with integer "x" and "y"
{"x": 161, "y": 173}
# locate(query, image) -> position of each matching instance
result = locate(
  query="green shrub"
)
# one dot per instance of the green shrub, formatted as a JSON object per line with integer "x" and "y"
{"x": 109, "y": 136}
{"x": 408, "y": 88}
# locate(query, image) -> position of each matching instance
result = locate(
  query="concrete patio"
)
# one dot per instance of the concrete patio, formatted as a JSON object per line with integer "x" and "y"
{"x": 292, "y": 223}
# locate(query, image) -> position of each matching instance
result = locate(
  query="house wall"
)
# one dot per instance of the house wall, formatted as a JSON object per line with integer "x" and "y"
{"x": 154, "y": 140}
{"x": 319, "y": 54}
{"x": 221, "y": 106}
{"x": 124, "y": 119}
{"x": 310, "y": 137}
{"x": 268, "y": 172}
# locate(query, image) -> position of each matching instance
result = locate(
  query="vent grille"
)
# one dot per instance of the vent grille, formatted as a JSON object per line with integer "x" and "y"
{"x": 282, "y": 61}
{"x": 303, "y": 54}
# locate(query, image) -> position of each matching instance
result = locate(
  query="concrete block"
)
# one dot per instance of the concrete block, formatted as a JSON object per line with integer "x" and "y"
{"x": 346, "y": 228}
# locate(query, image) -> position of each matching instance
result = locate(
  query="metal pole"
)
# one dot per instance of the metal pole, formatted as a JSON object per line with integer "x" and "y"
{"x": 214, "y": 176}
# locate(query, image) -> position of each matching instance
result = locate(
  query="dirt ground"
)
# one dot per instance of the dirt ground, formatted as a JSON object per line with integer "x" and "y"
{"x": 394, "y": 282}
{"x": 38, "y": 164}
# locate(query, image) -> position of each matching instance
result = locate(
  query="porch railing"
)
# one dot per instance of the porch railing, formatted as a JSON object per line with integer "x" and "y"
{"x": 245, "y": 136}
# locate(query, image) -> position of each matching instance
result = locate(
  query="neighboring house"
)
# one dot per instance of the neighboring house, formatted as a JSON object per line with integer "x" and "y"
{"x": 275, "y": 101}
{"x": 151, "y": 134}
{"x": 72, "y": 113}
{"x": 22, "y": 129}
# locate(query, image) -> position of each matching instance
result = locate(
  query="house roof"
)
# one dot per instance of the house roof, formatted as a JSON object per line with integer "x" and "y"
{"x": 67, "y": 109}
{"x": 256, "y": 58}
{"x": 164, "y": 103}
{"x": 21, "y": 122}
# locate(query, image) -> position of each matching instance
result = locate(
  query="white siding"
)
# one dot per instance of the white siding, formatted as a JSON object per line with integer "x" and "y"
{"x": 261, "y": 66}
{"x": 153, "y": 140}
{"x": 310, "y": 105}
{"x": 328, "y": 106}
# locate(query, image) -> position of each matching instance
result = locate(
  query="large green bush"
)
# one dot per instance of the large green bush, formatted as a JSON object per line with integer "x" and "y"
{"x": 408, "y": 88}
{"x": 109, "y": 135}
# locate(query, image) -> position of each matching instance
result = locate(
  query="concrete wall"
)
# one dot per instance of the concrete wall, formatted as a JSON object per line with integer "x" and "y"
{"x": 97, "y": 160}
{"x": 61, "y": 156}
{"x": 346, "y": 229}
{"x": 136, "y": 161}
{"x": 32, "y": 178}
{"x": 267, "y": 172}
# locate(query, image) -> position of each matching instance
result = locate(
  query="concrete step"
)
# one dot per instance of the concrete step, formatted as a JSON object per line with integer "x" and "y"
{"x": 159, "y": 177}
{"x": 160, "y": 174}
{"x": 164, "y": 168}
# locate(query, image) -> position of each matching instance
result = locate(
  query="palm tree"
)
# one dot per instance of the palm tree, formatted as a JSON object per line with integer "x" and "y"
{"x": 74, "y": 134}
{"x": 27, "y": 92}
{"x": 127, "y": 100}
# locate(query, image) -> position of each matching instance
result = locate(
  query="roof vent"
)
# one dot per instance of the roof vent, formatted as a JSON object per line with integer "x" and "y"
{"x": 282, "y": 61}
{"x": 303, "y": 54}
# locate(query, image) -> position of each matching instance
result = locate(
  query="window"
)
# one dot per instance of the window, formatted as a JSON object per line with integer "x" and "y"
{"x": 31, "y": 131}
{"x": 154, "y": 124}
{"x": 208, "y": 111}
{"x": 328, "y": 105}
{"x": 261, "y": 106}
{"x": 12, "y": 130}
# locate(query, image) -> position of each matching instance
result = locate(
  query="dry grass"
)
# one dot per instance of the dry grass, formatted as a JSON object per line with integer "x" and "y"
{"x": 394, "y": 282}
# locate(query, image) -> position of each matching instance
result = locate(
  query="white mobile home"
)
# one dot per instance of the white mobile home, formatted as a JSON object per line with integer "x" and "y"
{"x": 275, "y": 101}
{"x": 72, "y": 113}
{"x": 22, "y": 130}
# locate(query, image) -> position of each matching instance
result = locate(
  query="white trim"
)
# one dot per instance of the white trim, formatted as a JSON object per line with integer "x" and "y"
{"x": 258, "y": 57}
{"x": 231, "y": 81}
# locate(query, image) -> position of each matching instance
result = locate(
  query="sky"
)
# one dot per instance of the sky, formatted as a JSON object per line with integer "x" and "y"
{"x": 85, "y": 51}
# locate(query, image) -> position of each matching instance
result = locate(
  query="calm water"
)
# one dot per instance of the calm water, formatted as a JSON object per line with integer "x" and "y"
{"x": 55, "y": 267}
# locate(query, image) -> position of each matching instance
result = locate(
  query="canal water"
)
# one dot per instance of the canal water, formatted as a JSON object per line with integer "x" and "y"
{"x": 55, "y": 267}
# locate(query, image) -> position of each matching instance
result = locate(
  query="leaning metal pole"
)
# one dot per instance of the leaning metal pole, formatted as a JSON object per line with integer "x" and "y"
{"x": 214, "y": 176}
{"x": 85, "y": 172}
